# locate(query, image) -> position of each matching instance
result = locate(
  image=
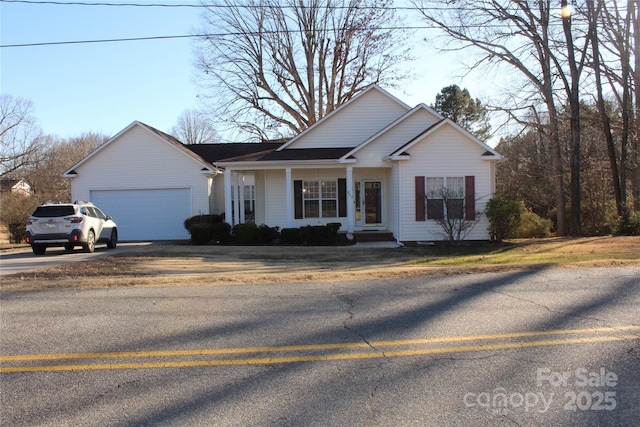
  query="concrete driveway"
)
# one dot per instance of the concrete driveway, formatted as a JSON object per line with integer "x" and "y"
{"x": 23, "y": 261}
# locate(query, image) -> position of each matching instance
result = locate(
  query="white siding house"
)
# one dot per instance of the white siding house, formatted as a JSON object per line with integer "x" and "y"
{"x": 373, "y": 164}
{"x": 367, "y": 165}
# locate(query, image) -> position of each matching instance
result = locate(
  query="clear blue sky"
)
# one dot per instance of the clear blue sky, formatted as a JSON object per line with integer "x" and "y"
{"x": 103, "y": 87}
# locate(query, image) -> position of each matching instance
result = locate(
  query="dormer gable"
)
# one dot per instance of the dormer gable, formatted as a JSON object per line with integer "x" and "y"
{"x": 353, "y": 122}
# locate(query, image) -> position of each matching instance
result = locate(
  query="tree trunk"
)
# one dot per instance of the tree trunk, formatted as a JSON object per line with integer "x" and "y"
{"x": 606, "y": 123}
{"x": 633, "y": 9}
{"x": 574, "y": 106}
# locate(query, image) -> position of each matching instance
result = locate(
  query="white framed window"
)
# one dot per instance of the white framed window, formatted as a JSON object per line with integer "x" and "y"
{"x": 249, "y": 198}
{"x": 445, "y": 197}
{"x": 320, "y": 199}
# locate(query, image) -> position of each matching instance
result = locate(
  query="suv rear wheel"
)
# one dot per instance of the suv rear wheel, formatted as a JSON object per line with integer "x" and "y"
{"x": 38, "y": 249}
{"x": 91, "y": 242}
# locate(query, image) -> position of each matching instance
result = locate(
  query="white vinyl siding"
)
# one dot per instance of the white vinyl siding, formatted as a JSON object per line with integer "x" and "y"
{"x": 374, "y": 153}
{"x": 217, "y": 195}
{"x": 354, "y": 123}
{"x": 444, "y": 153}
{"x": 275, "y": 196}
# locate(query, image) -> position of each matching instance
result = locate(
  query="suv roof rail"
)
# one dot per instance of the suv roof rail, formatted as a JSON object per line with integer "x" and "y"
{"x": 82, "y": 202}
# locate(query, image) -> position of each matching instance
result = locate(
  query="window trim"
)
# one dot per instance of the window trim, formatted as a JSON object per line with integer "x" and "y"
{"x": 321, "y": 198}
{"x": 444, "y": 208}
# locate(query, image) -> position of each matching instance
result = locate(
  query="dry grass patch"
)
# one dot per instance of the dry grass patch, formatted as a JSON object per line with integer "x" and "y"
{"x": 177, "y": 265}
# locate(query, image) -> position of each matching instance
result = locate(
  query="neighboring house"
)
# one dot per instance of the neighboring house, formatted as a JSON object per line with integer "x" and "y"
{"x": 372, "y": 164}
{"x": 15, "y": 186}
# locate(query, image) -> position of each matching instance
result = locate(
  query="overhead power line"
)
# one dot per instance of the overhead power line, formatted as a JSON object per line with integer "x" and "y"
{"x": 191, "y": 36}
{"x": 129, "y": 39}
{"x": 79, "y": 3}
{"x": 186, "y": 5}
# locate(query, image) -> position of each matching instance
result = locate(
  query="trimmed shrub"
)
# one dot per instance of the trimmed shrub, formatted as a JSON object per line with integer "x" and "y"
{"x": 320, "y": 235}
{"x": 267, "y": 235}
{"x": 333, "y": 227}
{"x": 504, "y": 218}
{"x": 202, "y": 219}
{"x": 627, "y": 225}
{"x": 201, "y": 233}
{"x": 245, "y": 234}
{"x": 290, "y": 236}
{"x": 221, "y": 232}
{"x": 312, "y": 235}
{"x": 533, "y": 225}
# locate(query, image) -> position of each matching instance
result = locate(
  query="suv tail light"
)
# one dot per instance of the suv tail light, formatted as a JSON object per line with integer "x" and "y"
{"x": 30, "y": 221}
{"x": 74, "y": 219}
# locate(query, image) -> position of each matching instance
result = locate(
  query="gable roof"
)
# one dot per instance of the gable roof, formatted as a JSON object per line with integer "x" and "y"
{"x": 401, "y": 153}
{"x": 8, "y": 184}
{"x": 207, "y": 166}
{"x": 419, "y": 107}
{"x": 372, "y": 87}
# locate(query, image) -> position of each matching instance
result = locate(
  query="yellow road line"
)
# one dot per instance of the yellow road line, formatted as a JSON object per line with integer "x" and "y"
{"x": 311, "y": 347}
{"x": 312, "y": 358}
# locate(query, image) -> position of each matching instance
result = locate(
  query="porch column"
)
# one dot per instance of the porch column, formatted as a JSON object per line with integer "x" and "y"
{"x": 351, "y": 204}
{"x": 236, "y": 198}
{"x": 241, "y": 197}
{"x": 289, "y": 197}
{"x": 228, "y": 207}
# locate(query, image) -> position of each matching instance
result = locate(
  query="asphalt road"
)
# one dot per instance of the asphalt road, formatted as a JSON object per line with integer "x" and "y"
{"x": 550, "y": 347}
{"x": 22, "y": 261}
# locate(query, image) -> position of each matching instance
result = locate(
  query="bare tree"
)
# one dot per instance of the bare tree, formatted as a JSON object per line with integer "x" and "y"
{"x": 281, "y": 65}
{"x": 618, "y": 190}
{"x": 572, "y": 87}
{"x": 56, "y": 156}
{"x": 455, "y": 225}
{"x": 524, "y": 175}
{"x": 633, "y": 9}
{"x": 194, "y": 127}
{"x": 520, "y": 35}
{"x": 616, "y": 60}
{"x": 20, "y": 135}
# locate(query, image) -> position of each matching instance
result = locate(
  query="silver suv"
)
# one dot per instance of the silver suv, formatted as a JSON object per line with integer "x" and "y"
{"x": 70, "y": 225}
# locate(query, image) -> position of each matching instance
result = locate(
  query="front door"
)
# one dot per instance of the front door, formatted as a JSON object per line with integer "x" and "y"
{"x": 368, "y": 203}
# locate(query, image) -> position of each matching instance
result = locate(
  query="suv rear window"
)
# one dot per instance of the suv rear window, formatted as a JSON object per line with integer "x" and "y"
{"x": 53, "y": 211}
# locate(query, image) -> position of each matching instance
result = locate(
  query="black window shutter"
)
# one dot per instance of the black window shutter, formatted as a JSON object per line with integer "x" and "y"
{"x": 297, "y": 199}
{"x": 342, "y": 197}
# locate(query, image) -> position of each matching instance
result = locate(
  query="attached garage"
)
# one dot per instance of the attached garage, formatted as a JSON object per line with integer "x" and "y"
{"x": 146, "y": 214}
{"x": 147, "y": 181}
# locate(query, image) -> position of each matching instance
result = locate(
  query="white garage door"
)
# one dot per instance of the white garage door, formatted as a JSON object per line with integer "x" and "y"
{"x": 149, "y": 214}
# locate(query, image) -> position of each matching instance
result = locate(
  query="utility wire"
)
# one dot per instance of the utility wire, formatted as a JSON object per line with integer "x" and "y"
{"x": 129, "y": 39}
{"x": 191, "y": 36}
{"x": 178, "y": 5}
{"x": 191, "y": 5}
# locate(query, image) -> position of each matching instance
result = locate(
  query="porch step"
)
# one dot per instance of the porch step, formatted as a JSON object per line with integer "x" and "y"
{"x": 374, "y": 236}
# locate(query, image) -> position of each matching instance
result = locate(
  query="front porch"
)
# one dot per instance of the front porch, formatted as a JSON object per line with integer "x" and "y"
{"x": 357, "y": 198}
